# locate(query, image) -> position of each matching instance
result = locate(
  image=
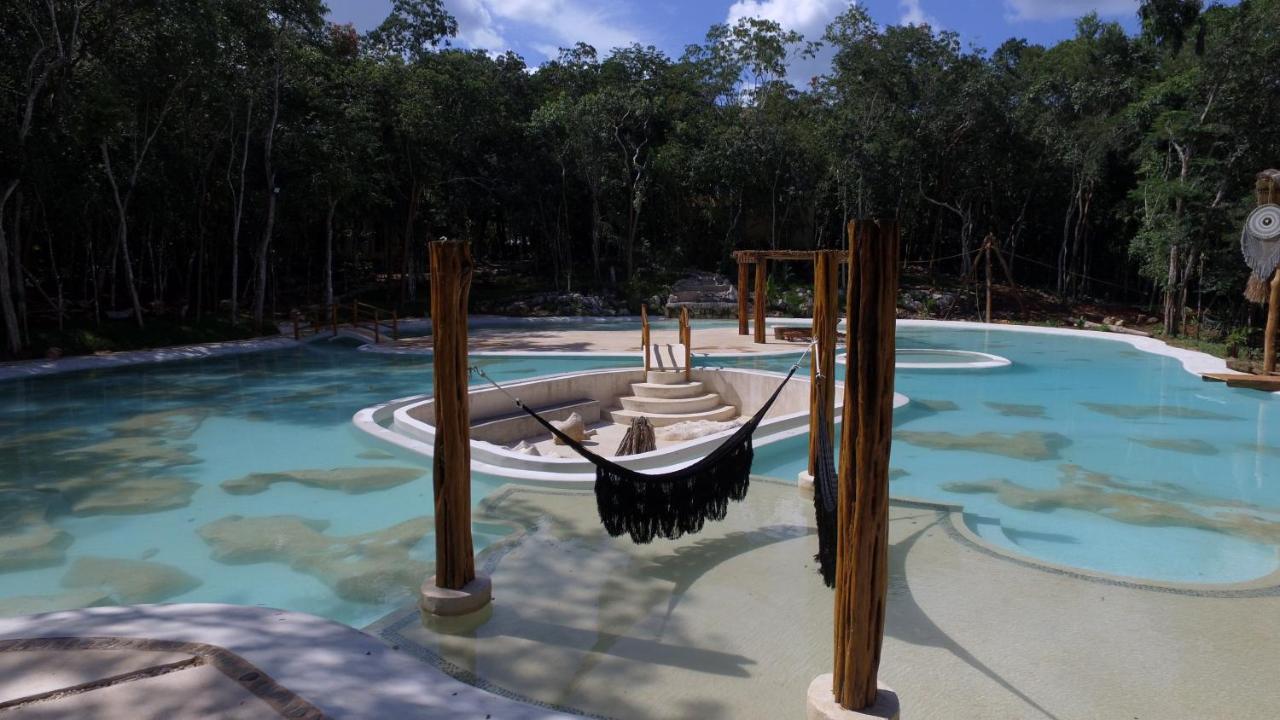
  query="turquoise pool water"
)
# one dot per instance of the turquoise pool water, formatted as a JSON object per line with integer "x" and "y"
{"x": 1100, "y": 456}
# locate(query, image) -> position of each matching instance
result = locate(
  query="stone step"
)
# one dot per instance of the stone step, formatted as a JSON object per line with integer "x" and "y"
{"x": 666, "y": 377}
{"x": 720, "y": 414}
{"x": 672, "y": 406}
{"x": 659, "y": 390}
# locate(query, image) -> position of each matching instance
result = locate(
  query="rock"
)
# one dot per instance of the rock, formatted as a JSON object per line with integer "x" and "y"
{"x": 1022, "y": 446}
{"x": 374, "y": 567}
{"x": 1142, "y": 412}
{"x": 141, "y": 450}
{"x": 177, "y": 424}
{"x": 352, "y": 481}
{"x": 27, "y": 540}
{"x": 694, "y": 429}
{"x": 574, "y": 427}
{"x": 524, "y": 448}
{"x": 112, "y": 494}
{"x": 69, "y": 600}
{"x": 130, "y": 581}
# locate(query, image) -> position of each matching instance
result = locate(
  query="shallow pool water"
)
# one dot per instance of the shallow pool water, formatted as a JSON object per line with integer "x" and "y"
{"x": 1087, "y": 453}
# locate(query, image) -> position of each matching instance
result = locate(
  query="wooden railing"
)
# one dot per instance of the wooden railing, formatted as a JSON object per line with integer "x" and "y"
{"x": 362, "y": 315}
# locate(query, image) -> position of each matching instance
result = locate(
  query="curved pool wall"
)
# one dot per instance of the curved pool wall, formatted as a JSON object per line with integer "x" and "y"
{"x": 1138, "y": 420}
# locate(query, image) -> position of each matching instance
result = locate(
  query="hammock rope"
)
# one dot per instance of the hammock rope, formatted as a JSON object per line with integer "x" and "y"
{"x": 672, "y": 504}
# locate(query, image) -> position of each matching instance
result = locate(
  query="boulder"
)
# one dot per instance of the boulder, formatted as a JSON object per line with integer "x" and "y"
{"x": 574, "y": 427}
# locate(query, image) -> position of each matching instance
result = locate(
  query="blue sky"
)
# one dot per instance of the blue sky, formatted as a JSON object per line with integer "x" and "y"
{"x": 536, "y": 28}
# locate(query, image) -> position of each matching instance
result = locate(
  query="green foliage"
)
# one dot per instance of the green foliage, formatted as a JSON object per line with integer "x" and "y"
{"x": 1108, "y": 164}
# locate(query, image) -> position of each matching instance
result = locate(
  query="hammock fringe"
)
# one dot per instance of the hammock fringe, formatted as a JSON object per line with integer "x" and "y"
{"x": 826, "y": 489}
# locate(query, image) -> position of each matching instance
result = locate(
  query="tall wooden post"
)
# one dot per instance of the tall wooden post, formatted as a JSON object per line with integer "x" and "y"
{"x": 761, "y": 297}
{"x": 826, "y": 315}
{"x": 644, "y": 337}
{"x": 744, "y": 291}
{"x": 1273, "y": 327}
{"x": 686, "y": 339}
{"x": 453, "y": 592}
{"x": 862, "y": 560}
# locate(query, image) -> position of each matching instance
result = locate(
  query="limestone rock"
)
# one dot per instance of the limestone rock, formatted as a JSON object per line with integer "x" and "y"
{"x": 1022, "y": 446}
{"x": 352, "y": 481}
{"x": 524, "y": 448}
{"x": 111, "y": 495}
{"x": 694, "y": 429}
{"x": 177, "y": 424}
{"x": 372, "y": 567}
{"x": 27, "y": 540}
{"x": 130, "y": 581}
{"x": 69, "y": 600}
{"x": 574, "y": 427}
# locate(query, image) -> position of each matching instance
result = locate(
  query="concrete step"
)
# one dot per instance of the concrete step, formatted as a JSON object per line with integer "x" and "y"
{"x": 658, "y": 390}
{"x": 672, "y": 406}
{"x": 720, "y": 414}
{"x": 666, "y": 377}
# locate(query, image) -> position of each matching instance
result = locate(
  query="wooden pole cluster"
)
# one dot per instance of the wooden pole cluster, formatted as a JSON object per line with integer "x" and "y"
{"x": 686, "y": 339}
{"x": 451, "y": 269}
{"x": 644, "y": 337}
{"x": 826, "y": 316}
{"x": 862, "y": 560}
{"x": 744, "y": 278}
{"x": 986, "y": 253}
{"x": 761, "y": 297}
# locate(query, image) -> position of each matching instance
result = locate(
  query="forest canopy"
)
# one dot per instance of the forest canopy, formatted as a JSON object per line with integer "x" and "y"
{"x": 239, "y": 159}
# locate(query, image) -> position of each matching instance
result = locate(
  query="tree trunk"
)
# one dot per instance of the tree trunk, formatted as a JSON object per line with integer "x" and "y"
{"x": 328, "y": 252}
{"x": 12, "y": 330}
{"x": 237, "y": 213}
{"x": 122, "y": 233}
{"x": 264, "y": 247}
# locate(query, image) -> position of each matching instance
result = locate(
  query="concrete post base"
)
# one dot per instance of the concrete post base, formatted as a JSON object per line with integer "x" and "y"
{"x": 443, "y": 602}
{"x": 805, "y": 480}
{"x": 822, "y": 703}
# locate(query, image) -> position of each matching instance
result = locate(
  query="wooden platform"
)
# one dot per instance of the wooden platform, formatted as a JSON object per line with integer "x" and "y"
{"x": 1269, "y": 383}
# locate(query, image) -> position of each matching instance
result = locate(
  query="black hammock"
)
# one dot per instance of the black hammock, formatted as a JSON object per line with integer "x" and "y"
{"x": 669, "y": 505}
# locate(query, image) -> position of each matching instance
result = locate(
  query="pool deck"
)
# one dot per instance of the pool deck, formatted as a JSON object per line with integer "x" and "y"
{"x": 735, "y": 623}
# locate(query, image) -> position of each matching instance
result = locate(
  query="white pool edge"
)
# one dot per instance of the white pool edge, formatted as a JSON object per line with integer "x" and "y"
{"x": 23, "y": 369}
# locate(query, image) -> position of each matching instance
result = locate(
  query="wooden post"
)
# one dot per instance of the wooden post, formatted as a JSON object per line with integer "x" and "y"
{"x": 395, "y": 325}
{"x": 297, "y": 331}
{"x": 744, "y": 278}
{"x": 644, "y": 337}
{"x": 826, "y": 315}
{"x": 333, "y": 318}
{"x": 451, "y": 269}
{"x": 1273, "y": 327}
{"x": 686, "y": 339}
{"x": 761, "y": 297}
{"x": 986, "y": 253}
{"x": 862, "y": 559}
{"x": 377, "y": 337}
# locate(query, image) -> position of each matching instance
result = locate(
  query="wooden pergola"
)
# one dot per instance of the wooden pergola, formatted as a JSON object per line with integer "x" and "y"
{"x": 761, "y": 258}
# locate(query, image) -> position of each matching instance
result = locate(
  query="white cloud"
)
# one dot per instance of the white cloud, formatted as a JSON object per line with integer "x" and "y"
{"x": 1032, "y": 10}
{"x": 913, "y": 14}
{"x": 543, "y": 25}
{"x": 808, "y": 17}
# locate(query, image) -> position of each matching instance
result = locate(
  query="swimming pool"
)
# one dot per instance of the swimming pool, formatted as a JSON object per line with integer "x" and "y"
{"x": 152, "y": 483}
